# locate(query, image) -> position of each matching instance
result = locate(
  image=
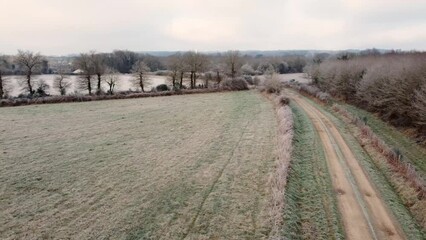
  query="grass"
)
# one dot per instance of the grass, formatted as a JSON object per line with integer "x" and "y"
{"x": 184, "y": 166}
{"x": 311, "y": 210}
{"x": 412, "y": 152}
{"x": 379, "y": 174}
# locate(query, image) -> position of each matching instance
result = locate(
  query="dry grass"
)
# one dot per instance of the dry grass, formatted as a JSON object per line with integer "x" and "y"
{"x": 407, "y": 181}
{"x": 161, "y": 168}
{"x": 87, "y": 98}
{"x": 278, "y": 179}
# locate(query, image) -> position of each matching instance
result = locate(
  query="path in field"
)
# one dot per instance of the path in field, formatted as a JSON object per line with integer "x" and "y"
{"x": 364, "y": 214}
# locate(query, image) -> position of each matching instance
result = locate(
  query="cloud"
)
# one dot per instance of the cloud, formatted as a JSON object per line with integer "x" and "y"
{"x": 72, "y": 26}
{"x": 202, "y": 30}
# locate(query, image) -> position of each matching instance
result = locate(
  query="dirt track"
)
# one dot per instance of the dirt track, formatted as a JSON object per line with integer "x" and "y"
{"x": 364, "y": 214}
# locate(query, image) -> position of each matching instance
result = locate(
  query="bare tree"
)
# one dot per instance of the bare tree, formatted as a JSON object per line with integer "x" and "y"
{"x": 420, "y": 105}
{"x": 233, "y": 62}
{"x": 99, "y": 68}
{"x": 196, "y": 62}
{"x": 112, "y": 77}
{"x": 62, "y": 82}
{"x": 4, "y": 68}
{"x": 218, "y": 68}
{"x": 30, "y": 63}
{"x": 42, "y": 88}
{"x": 140, "y": 70}
{"x": 176, "y": 66}
{"x": 84, "y": 63}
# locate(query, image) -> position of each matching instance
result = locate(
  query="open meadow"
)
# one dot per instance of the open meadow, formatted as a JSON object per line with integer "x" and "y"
{"x": 15, "y": 84}
{"x": 176, "y": 167}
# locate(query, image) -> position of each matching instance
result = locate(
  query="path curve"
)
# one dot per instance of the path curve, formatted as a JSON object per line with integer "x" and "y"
{"x": 364, "y": 213}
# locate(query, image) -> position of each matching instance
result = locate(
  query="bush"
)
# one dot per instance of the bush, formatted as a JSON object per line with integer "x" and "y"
{"x": 283, "y": 100}
{"x": 237, "y": 84}
{"x": 249, "y": 79}
{"x": 162, "y": 88}
{"x": 272, "y": 84}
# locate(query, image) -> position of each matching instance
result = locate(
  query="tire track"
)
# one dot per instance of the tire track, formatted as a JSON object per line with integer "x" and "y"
{"x": 364, "y": 214}
{"x": 193, "y": 221}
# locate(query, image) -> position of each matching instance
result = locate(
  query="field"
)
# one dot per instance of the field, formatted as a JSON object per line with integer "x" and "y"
{"x": 15, "y": 83}
{"x": 124, "y": 83}
{"x": 176, "y": 167}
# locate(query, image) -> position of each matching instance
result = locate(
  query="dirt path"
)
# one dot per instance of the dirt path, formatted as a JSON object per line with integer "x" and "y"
{"x": 364, "y": 214}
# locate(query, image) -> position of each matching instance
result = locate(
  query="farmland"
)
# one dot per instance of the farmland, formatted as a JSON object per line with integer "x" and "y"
{"x": 177, "y": 167}
{"x": 124, "y": 83}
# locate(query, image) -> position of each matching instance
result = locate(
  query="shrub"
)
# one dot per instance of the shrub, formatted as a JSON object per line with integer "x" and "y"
{"x": 256, "y": 81}
{"x": 272, "y": 84}
{"x": 162, "y": 88}
{"x": 236, "y": 84}
{"x": 249, "y": 79}
{"x": 283, "y": 100}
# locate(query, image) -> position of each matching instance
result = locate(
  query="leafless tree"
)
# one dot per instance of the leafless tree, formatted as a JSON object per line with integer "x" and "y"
{"x": 30, "y": 63}
{"x": 247, "y": 69}
{"x": 42, "y": 88}
{"x": 99, "y": 68}
{"x": 112, "y": 77}
{"x": 233, "y": 62}
{"x": 176, "y": 66}
{"x": 85, "y": 64}
{"x": 196, "y": 63}
{"x": 4, "y": 67}
{"x": 420, "y": 105}
{"x": 140, "y": 70}
{"x": 62, "y": 82}
{"x": 218, "y": 68}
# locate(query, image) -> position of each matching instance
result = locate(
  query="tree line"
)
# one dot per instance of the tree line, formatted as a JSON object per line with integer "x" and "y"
{"x": 94, "y": 68}
{"x": 392, "y": 85}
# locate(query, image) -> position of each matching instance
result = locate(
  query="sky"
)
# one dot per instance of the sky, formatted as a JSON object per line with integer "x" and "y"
{"x": 61, "y": 27}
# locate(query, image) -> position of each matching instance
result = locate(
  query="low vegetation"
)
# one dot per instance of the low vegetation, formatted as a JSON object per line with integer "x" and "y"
{"x": 406, "y": 180}
{"x": 278, "y": 179}
{"x": 310, "y": 206}
{"x": 193, "y": 166}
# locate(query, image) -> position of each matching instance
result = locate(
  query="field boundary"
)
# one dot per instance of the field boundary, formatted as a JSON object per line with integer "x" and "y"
{"x": 88, "y": 98}
{"x": 278, "y": 179}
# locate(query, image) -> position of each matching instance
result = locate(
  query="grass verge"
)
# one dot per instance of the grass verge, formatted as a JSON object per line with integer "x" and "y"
{"x": 380, "y": 174}
{"x": 311, "y": 210}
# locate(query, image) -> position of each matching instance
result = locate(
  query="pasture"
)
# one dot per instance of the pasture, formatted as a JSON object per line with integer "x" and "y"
{"x": 15, "y": 84}
{"x": 165, "y": 168}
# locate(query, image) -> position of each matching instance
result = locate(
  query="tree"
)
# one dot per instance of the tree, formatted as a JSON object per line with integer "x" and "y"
{"x": 218, "y": 68}
{"x": 140, "y": 70}
{"x": 4, "y": 68}
{"x": 176, "y": 66}
{"x": 61, "y": 82}
{"x": 30, "y": 63}
{"x": 84, "y": 63}
{"x": 196, "y": 62}
{"x": 123, "y": 60}
{"x": 111, "y": 79}
{"x": 99, "y": 68}
{"x": 233, "y": 63}
{"x": 42, "y": 88}
{"x": 420, "y": 105}
{"x": 247, "y": 69}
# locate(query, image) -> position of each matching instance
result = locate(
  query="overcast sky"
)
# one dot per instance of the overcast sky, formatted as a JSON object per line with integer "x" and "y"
{"x": 56, "y": 27}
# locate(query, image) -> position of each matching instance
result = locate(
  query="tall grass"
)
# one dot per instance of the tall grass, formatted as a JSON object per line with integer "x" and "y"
{"x": 278, "y": 179}
{"x": 404, "y": 175}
